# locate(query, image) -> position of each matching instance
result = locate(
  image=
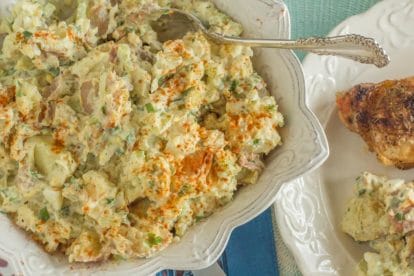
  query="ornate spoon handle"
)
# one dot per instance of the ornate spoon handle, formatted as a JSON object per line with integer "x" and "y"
{"x": 355, "y": 47}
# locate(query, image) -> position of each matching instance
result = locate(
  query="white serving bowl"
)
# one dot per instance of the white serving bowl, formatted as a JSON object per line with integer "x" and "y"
{"x": 304, "y": 148}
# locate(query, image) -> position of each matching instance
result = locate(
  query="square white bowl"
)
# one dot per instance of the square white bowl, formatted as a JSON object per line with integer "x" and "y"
{"x": 304, "y": 149}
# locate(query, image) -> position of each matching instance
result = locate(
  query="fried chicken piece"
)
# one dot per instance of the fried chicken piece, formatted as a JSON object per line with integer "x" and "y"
{"x": 383, "y": 114}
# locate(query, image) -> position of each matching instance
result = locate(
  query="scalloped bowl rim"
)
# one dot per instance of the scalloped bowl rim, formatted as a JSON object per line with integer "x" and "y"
{"x": 264, "y": 201}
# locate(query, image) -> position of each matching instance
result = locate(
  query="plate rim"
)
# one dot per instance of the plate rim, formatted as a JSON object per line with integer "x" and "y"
{"x": 160, "y": 262}
{"x": 326, "y": 266}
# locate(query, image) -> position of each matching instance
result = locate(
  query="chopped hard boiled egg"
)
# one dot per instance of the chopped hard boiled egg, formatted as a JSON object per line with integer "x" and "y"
{"x": 113, "y": 144}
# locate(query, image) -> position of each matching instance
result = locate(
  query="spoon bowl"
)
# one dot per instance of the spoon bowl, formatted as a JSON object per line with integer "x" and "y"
{"x": 174, "y": 24}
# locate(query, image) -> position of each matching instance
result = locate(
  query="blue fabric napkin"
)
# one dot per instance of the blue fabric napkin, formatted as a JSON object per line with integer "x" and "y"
{"x": 250, "y": 251}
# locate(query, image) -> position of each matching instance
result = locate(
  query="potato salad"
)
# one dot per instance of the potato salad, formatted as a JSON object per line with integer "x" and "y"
{"x": 113, "y": 144}
{"x": 382, "y": 213}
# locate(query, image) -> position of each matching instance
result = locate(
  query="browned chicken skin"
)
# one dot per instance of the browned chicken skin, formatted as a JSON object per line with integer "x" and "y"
{"x": 383, "y": 114}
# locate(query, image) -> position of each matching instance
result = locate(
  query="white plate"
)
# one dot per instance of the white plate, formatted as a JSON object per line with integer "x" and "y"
{"x": 310, "y": 209}
{"x": 304, "y": 149}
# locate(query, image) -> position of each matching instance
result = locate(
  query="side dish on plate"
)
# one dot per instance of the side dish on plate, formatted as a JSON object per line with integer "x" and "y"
{"x": 370, "y": 111}
{"x": 383, "y": 114}
{"x": 113, "y": 144}
{"x": 382, "y": 210}
{"x": 382, "y": 213}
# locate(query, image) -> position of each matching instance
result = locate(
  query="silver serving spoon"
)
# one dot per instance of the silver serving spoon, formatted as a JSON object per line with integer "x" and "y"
{"x": 175, "y": 23}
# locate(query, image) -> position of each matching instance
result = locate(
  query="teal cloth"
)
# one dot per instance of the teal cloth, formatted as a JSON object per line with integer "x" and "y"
{"x": 319, "y": 17}
{"x": 314, "y": 18}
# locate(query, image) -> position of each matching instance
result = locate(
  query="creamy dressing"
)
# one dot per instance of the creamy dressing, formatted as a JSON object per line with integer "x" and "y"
{"x": 382, "y": 213}
{"x": 113, "y": 144}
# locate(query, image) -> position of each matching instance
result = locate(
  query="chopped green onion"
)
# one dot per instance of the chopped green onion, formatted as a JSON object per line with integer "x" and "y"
{"x": 163, "y": 79}
{"x": 184, "y": 189}
{"x": 44, "y": 214}
{"x": 68, "y": 63}
{"x": 130, "y": 139}
{"x": 153, "y": 239}
{"x": 110, "y": 200}
{"x": 234, "y": 85}
{"x": 194, "y": 113}
{"x": 184, "y": 94}
{"x": 35, "y": 174}
{"x": 104, "y": 111}
{"x": 9, "y": 71}
{"x": 394, "y": 202}
{"x": 271, "y": 108}
{"x": 399, "y": 216}
{"x": 233, "y": 88}
{"x": 362, "y": 192}
{"x": 118, "y": 258}
{"x": 150, "y": 108}
{"x": 94, "y": 121}
{"x": 55, "y": 71}
{"x": 256, "y": 142}
{"x": 116, "y": 129}
{"x": 130, "y": 30}
{"x": 119, "y": 151}
{"x": 65, "y": 210}
{"x": 27, "y": 34}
